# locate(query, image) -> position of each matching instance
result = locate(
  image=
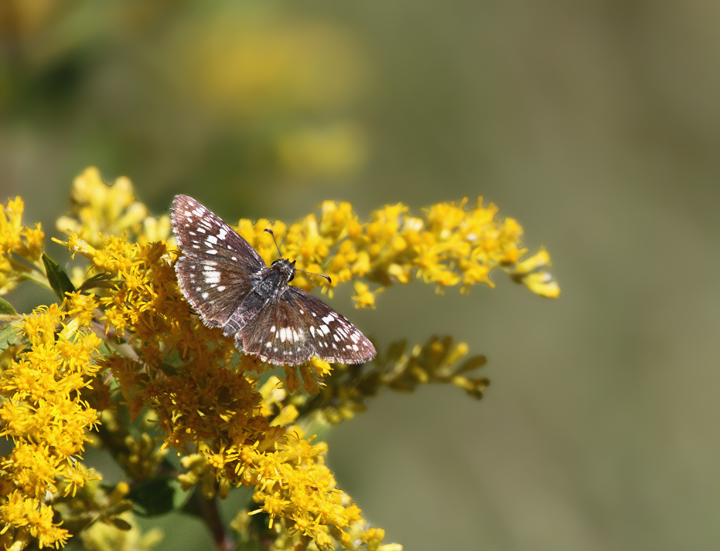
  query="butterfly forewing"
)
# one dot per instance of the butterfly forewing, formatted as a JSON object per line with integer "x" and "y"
{"x": 211, "y": 289}
{"x": 215, "y": 272}
{"x": 203, "y": 235}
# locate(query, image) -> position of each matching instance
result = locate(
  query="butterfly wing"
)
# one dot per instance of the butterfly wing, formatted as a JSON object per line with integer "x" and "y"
{"x": 333, "y": 337}
{"x": 216, "y": 271}
{"x": 296, "y": 326}
{"x": 276, "y": 334}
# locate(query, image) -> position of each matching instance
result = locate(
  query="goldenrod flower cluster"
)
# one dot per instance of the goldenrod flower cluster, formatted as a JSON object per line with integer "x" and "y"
{"x": 99, "y": 210}
{"x": 18, "y": 243}
{"x": 450, "y": 245}
{"x": 45, "y": 416}
{"x": 126, "y": 327}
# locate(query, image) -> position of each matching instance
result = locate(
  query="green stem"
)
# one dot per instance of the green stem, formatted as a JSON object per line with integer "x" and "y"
{"x": 37, "y": 278}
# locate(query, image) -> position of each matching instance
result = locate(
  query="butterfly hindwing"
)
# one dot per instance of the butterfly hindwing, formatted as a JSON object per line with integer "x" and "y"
{"x": 277, "y": 335}
{"x": 333, "y": 337}
{"x": 298, "y": 325}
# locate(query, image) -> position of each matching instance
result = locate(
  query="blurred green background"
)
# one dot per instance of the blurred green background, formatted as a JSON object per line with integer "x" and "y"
{"x": 595, "y": 123}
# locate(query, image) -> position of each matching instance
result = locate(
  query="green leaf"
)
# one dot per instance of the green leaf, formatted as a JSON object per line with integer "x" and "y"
{"x": 103, "y": 281}
{"x": 6, "y": 309}
{"x": 58, "y": 279}
{"x": 158, "y": 496}
{"x": 8, "y": 333}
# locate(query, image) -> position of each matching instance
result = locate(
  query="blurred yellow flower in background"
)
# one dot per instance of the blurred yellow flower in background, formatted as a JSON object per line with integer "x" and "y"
{"x": 233, "y": 93}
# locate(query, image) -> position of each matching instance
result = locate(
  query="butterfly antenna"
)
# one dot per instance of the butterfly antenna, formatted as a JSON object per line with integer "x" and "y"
{"x": 313, "y": 273}
{"x": 274, "y": 240}
{"x": 296, "y": 269}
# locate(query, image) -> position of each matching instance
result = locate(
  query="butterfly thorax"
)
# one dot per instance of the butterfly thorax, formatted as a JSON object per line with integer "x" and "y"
{"x": 274, "y": 279}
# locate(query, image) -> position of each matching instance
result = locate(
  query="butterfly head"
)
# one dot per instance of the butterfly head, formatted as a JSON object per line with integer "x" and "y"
{"x": 286, "y": 268}
{"x": 292, "y": 264}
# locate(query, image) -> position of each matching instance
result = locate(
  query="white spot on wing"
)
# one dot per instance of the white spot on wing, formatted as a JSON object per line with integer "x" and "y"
{"x": 212, "y": 277}
{"x": 204, "y": 295}
{"x": 211, "y": 251}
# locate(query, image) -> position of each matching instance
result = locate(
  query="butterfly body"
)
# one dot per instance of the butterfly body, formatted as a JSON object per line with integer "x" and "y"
{"x": 230, "y": 286}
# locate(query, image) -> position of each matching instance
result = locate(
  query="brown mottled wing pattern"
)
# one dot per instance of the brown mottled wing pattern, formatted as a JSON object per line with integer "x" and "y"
{"x": 216, "y": 270}
{"x": 299, "y": 325}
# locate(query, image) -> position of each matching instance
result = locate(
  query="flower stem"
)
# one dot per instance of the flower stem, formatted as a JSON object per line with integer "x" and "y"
{"x": 208, "y": 511}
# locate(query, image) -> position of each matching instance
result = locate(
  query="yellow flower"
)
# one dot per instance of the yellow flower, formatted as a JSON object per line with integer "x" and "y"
{"x": 364, "y": 297}
{"x": 44, "y": 415}
{"x": 23, "y": 514}
{"x": 20, "y": 241}
{"x": 530, "y": 272}
{"x": 452, "y": 245}
{"x": 100, "y": 209}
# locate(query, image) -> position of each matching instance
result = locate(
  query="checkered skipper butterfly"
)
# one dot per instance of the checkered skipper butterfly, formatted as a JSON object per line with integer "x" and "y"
{"x": 230, "y": 286}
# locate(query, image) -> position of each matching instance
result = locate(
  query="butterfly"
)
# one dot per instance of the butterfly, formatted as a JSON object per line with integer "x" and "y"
{"x": 230, "y": 286}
